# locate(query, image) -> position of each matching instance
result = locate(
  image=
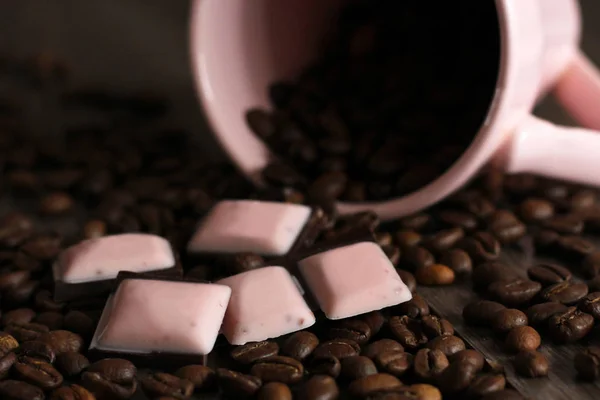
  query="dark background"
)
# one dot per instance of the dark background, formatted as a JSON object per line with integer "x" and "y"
{"x": 138, "y": 44}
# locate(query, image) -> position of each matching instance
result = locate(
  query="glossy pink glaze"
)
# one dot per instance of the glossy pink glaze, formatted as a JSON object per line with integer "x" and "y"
{"x": 262, "y": 227}
{"x": 239, "y": 47}
{"x": 353, "y": 280}
{"x": 145, "y": 316}
{"x": 265, "y": 303}
{"x": 102, "y": 258}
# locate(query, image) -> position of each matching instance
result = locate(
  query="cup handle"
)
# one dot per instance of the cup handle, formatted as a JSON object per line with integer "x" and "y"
{"x": 540, "y": 147}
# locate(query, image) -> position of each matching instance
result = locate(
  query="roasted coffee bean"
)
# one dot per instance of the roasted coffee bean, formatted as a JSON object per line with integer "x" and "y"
{"x": 486, "y": 384}
{"x": 394, "y": 362}
{"x": 429, "y": 363}
{"x": 506, "y": 227}
{"x": 570, "y": 325}
{"x": 326, "y": 365}
{"x": 587, "y": 363}
{"x": 42, "y": 247}
{"x": 37, "y": 349}
{"x": 535, "y": 209}
{"x": 565, "y": 224}
{"x": 490, "y": 272}
{"x": 278, "y": 369}
{"x": 261, "y": 122}
{"x": 531, "y": 364}
{"x": 392, "y": 253}
{"x": 375, "y": 320}
{"x": 434, "y": 326}
{"x": 460, "y": 219}
{"x": 56, "y": 203}
{"x": 384, "y": 239}
{"x": 458, "y": 260}
{"x": 414, "y": 308}
{"x": 12, "y": 279}
{"x": 7, "y": 343}
{"x": 328, "y": 186}
{"x": 504, "y": 320}
{"x": 582, "y": 199}
{"x": 545, "y": 238}
{"x": 447, "y": 344}
{"x": 591, "y": 265}
{"x": 415, "y": 221}
{"x": 590, "y": 304}
{"x": 408, "y": 238}
{"x": 71, "y": 363}
{"x": 456, "y": 377}
{"x": 243, "y": 262}
{"x": 72, "y": 392}
{"x": 565, "y": 292}
{"x": 421, "y": 391}
{"x": 444, "y": 239}
{"x": 471, "y": 356}
{"x": 573, "y": 248}
{"x": 522, "y": 338}
{"x": 481, "y": 246}
{"x": 15, "y": 227}
{"x": 62, "y": 341}
{"x": 372, "y": 384}
{"x": 18, "y": 390}
{"x": 353, "y": 329}
{"x": 407, "y": 331}
{"x": 408, "y": 279}
{"x": 514, "y": 293}
{"x": 162, "y": 384}
{"x": 549, "y": 274}
{"x": 38, "y": 372}
{"x": 373, "y": 349}
{"x": 80, "y": 323}
{"x": 356, "y": 367}
{"x": 321, "y": 387}
{"x": 481, "y": 312}
{"x": 238, "y": 385}
{"x": 21, "y": 294}
{"x": 435, "y": 274}
{"x": 339, "y": 348}
{"x": 201, "y": 376}
{"x": 252, "y": 352}
{"x": 539, "y": 314}
{"x": 28, "y": 331}
{"x": 417, "y": 257}
{"x": 274, "y": 391}
{"x": 94, "y": 228}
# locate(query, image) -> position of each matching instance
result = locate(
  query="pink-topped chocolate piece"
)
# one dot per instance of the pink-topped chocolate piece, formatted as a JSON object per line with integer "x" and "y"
{"x": 262, "y": 227}
{"x": 103, "y": 258}
{"x": 353, "y": 280}
{"x": 265, "y": 303}
{"x": 158, "y": 316}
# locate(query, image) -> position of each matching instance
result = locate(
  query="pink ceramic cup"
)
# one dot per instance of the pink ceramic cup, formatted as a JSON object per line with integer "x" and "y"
{"x": 239, "y": 47}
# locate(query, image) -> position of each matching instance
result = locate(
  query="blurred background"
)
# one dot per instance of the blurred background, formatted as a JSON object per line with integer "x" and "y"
{"x": 143, "y": 44}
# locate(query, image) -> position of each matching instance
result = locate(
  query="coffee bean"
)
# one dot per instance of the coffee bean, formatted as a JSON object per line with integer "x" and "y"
{"x": 372, "y": 384}
{"x": 570, "y": 325}
{"x": 353, "y": 329}
{"x": 522, "y": 338}
{"x": 201, "y": 376}
{"x": 434, "y": 326}
{"x": 407, "y": 331}
{"x": 506, "y": 227}
{"x": 94, "y": 228}
{"x": 238, "y": 385}
{"x": 531, "y": 364}
{"x": 392, "y": 253}
{"x": 321, "y": 387}
{"x": 394, "y": 362}
{"x": 504, "y": 320}
{"x": 423, "y": 391}
{"x": 243, "y": 262}
{"x": 481, "y": 246}
{"x": 591, "y": 265}
{"x": 37, "y": 349}
{"x": 375, "y": 320}
{"x": 339, "y": 348}
{"x": 534, "y": 209}
{"x": 545, "y": 238}
{"x": 278, "y": 369}
{"x": 356, "y": 367}
{"x": 565, "y": 292}
{"x": 435, "y": 274}
{"x": 481, "y": 312}
{"x": 373, "y": 349}
{"x": 408, "y": 238}
{"x": 447, "y": 344}
{"x": 408, "y": 279}
{"x": 587, "y": 363}
{"x": 261, "y": 122}
{"x": 72, "y": 392}
{"x": 590, "y": 304}
{"x": 486, "y": 384}
{"x": 459, "y": 219}
{"x": 71, "y": 363}
{"x": 52, "y": 319}
{"x": 566, "y": 224}
{"x": 384, "y": 239}
{"x": 582, "y": 199}
{"x": 326, "y": 365}
{"x": 429, "y": 363}
{"x": 274, "y": 391}
{"x": 79, "y": 323}
{"x": 486, "y": 274}
{"x": 18, "y": 317}
{"x": 15, "y": 228}
{"x": 12, "y": 279}
{"x": 417, "y": 257}
{"x": 56, "y": 203}
{"x": 38, "y": 372}
{"x": 456, "y": 377}
{"x": 7, "y": 343}
{"x": 515, "y": 292}
{"x": 328, "y": 186}
{"x": 539, "y": 314}
{"x": 549, "y": 274}
{"x": 458, "y": 260}
{"x": 415, "y": 221}
{"x": 21, "y": 294}
{"x": 25, "y": 332}
{"x": 62, "y": 341}
{"x": 444, "y": 239}
{"x": 471, "y": 356}
{"x": 252, "y": 352}
{"x": 18, "y": 390}
{"x": 414, "y": 308}
{"x": 162, "y": 384}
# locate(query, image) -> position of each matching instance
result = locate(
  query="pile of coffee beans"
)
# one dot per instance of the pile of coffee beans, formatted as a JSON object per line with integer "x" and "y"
{"x": 396, "y": 97}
